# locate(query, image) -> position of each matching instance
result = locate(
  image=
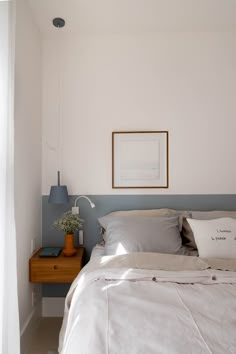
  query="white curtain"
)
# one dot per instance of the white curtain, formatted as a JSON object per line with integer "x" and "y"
{"x": 9, "y": 317}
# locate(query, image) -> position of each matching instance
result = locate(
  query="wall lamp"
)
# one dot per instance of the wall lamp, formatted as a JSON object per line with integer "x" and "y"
{"x": 75, "y": 209}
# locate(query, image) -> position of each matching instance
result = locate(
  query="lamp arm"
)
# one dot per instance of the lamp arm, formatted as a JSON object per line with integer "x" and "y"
{"x": 83, "y": 196}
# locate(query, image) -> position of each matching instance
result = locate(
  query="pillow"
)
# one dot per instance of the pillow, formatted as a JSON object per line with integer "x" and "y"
{"x": 143, "y": 234}
{"x": 215, "y": 238}
{"x": 187, "y": 235}
{"x": 188, "y": 238}
{"x": 105, "y": 220}
{"x": 213, "y": 214}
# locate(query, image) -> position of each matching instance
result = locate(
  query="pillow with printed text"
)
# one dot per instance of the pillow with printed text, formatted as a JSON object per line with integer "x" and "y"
{"x": 215, "y": 238}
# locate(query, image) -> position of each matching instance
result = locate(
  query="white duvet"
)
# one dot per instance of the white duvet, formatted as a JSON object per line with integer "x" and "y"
{"x": 150, "y": 303}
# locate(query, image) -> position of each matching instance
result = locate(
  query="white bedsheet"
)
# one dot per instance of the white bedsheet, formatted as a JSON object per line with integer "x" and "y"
{"x": 97, "y": 251}
{"x": 116, "y": 308}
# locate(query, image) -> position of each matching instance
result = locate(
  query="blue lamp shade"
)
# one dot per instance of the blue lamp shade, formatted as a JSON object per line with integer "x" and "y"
{"x": 58, "y": 194}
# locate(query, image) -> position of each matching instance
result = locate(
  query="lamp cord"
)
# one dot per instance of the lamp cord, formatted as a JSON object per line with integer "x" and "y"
{"x": 57, "y": 148}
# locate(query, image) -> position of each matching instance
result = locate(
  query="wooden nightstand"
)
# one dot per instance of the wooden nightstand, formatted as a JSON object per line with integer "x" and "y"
{"x": 59, "y": 269}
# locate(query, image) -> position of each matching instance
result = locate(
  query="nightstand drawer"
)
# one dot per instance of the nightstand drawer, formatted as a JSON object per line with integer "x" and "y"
{"x": 47, "y": 271}
{"x": 60, "y": 269}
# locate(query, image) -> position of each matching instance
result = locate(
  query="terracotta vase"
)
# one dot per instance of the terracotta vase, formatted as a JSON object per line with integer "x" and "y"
{"x": 69, "y": 249}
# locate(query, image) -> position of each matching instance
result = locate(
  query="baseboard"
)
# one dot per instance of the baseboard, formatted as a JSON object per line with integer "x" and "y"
{"x": 29, "y": 327}
{"x": 53, "y": 306}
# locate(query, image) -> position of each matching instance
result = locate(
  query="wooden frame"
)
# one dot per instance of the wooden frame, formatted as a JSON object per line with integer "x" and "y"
{"x": 140, "y": 159}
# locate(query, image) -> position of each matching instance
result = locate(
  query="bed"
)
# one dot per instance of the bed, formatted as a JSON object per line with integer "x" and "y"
{"x": 143, "y": 295}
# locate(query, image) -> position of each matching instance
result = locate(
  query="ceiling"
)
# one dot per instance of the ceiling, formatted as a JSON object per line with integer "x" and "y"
{"x": 131, "y": 16}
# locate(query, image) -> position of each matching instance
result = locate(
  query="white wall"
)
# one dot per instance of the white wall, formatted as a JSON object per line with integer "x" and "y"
{"x": 181, "y": 82}
{"x": 27, "y": 150}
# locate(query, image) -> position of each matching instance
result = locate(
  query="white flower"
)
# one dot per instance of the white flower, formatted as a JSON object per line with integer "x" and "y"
{"x": 68, "y": 222}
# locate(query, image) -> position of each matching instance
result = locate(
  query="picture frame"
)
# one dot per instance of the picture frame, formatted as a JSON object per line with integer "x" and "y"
{"x": 140, "y": 159}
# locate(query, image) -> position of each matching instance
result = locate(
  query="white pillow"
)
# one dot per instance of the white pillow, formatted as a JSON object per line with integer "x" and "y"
{"x": 215, "y": 238}
{"x": 142, "y": 234}
{"x": 188, "y": 238}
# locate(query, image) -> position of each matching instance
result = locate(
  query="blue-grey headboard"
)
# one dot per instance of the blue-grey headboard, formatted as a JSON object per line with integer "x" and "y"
{"x": 108, "y": 203}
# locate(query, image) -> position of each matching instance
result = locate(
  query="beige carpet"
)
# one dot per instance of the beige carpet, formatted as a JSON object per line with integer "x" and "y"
{"x": 45, "y": 337}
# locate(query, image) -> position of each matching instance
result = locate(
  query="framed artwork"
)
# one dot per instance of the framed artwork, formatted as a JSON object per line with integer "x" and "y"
{"x": 140, "y": 159}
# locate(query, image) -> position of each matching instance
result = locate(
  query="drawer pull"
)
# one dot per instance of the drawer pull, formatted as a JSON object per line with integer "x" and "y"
{"x": 55, "y": 267}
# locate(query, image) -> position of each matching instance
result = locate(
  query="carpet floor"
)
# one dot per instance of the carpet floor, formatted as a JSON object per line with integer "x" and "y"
{"x": 45, "y": 337}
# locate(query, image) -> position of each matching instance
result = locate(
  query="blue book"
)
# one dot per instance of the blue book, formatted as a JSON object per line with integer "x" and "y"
{"x": 50, "y": 252}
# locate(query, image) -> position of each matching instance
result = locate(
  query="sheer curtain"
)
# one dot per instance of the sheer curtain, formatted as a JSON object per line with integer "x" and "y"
{"x": 9, "y": 317}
